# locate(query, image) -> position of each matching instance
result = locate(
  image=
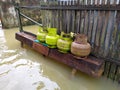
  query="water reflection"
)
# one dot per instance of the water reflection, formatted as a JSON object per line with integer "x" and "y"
{"x": 23, "y": 74}
{"x": 20, "y": 73}
{"x": 25, "y": 69}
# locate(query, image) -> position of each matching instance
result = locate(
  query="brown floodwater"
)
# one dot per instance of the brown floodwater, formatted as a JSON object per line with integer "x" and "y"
{"x": 25, "y": 69}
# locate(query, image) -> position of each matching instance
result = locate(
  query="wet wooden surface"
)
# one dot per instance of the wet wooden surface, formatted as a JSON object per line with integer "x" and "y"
{"x": 40, "y": 48}
{"x": 25, "y": 38}
{"x": 89, "y": 65}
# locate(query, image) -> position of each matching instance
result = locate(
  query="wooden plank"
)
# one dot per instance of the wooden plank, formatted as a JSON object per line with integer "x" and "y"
{"x": 58, "y": 19}
{"x": 99, "y": 33}
{"x": 93, "y": 29}
{"x": 110, "y": 29}
{"x": 86, "y": 23}
{"x": 113, "y": 48}
{"x": 82, "y": 22}
{"x": 99, "y": 27}
{"x": 68, "y": 12}
{"x": 73, "y": 18}
{"x": 91, "y": 66}
{"x": 25, "y": 38}
{"x": 40, "y": 48}
{"x": 103, "y": 35}
{"x": 77, "y": 22}
{"x": 86, "y": 19}
{"x": 117, "y": 40}
{"x": 89, "y": 3}
{"x": 91, "y": 22}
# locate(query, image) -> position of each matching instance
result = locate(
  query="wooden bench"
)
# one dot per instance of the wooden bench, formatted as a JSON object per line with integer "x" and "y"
{"x": 90, "y": 65}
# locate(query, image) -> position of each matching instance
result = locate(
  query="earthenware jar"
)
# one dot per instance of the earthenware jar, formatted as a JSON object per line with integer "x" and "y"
{"x": 80, "y": 47}
{"x": 64, "y": 42}
{"x": 52, "y": 37}
{"x": 41, "y": 35}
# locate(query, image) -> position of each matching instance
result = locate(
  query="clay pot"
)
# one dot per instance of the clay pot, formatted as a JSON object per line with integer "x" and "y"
{"x": 80, "y": 47}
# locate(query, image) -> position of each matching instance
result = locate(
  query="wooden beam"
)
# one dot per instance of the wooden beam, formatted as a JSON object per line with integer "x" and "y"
{"x": 74, "y": 7}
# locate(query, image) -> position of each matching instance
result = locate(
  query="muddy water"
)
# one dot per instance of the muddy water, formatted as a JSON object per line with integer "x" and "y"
{"x": 25, "y": 69}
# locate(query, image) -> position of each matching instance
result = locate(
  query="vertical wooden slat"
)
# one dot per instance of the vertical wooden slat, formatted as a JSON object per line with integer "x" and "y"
{"x": 77, "y": 21}
{"x": 112, "y": 71}
{"x": 85, "y": 22}
{"x": 108, "y": 74}
{"x": 88, "y": 23}
{"x": 64, "y": 18}
{"x": 61, "y": 19}
{"x": 103, "y": 2}
{"x": 113, "y": 32}
{"x": 115, "y": 73}
{"x": 107, "y": 68}
{"x": 103, "y": 34}
{"x": 109, "y": 32}
{"x": 68, "y": 18}
{"x": 99, "y": 31}
{"x": 84, "y": 18}
{"x": 94, "y": 28}
{"x": 62, "y": 25}
{"x": 58, "y": 19}
{"x": 80, "y": 21}
{"x": 73, "y": 18}
{"x": 110, "y": 29}
{"x": 117, "y": 44}
{"x": 118, "y": 75}
{"x": 91, "y": 21}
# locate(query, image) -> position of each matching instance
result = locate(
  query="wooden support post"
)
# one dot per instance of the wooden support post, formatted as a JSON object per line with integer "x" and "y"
{"x": 22, "y": 44}
{"x": 74, "y": 71}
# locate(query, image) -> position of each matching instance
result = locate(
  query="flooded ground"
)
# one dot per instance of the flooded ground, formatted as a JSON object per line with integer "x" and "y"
{"x": 25, "y": 69}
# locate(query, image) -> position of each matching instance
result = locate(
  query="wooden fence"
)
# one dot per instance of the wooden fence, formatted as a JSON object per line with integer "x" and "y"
{"x": 101, "y": 26}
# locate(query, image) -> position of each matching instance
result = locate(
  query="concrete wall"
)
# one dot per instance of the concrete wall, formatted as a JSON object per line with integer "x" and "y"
{"x": 8, "y": 14}
{"x": 9, "y": 17}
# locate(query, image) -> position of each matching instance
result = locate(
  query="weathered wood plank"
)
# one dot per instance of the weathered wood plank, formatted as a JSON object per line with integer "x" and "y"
{"x": 40, "y": 48}
{"x": 103, "y": 35}
{"x": 94, "y": 29}
{"x": 91, "y": 66}
{"x": 117, "y": 40}
{"x": 82, "y": 22}
{"x": 25, "y": 38}
{"x": 98, "y": 31}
